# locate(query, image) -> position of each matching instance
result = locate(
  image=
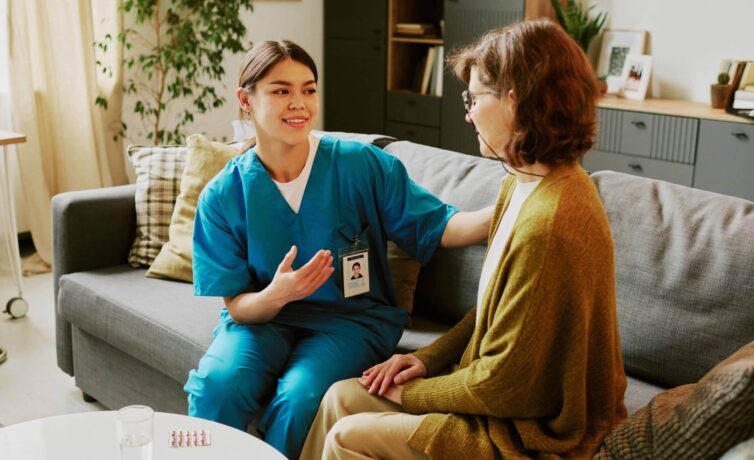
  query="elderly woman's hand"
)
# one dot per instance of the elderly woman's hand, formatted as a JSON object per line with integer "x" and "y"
{"x": 397, "y": 370}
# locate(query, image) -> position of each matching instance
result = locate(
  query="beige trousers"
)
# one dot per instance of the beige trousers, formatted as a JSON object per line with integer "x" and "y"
{"x": 352, "y": 424}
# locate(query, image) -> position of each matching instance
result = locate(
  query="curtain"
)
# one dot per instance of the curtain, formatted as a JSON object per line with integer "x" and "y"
{"x": 54, "y": 83}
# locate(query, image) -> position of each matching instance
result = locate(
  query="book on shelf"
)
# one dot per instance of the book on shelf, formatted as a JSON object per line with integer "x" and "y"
{"x": 428, "y": 73}
{"x": 741, "y": 101}
{"x": 439, "y": 69}
{"x": 428, "y": 66}
{"x": 419, "y": 74}
{"x": 415, "y": 29}
{"x": 744, "y": 95}
{"x": 433, "y": 76}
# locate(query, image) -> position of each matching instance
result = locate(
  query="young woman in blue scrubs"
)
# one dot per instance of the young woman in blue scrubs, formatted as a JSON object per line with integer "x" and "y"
{"x": 268, "y": 232}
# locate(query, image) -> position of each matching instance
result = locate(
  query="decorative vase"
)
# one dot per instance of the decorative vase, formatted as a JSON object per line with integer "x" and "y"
{"x": 719, "y": 95}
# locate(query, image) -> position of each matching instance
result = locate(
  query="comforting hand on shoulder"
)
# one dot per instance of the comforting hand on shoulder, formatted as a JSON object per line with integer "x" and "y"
{"x": 290, "y": 285}
{"x": 384, "y": 377}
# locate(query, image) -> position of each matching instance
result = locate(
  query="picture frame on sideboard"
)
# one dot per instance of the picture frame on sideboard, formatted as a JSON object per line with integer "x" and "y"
{"x": 637, "y": 72}
{"x": 616, "y": 46}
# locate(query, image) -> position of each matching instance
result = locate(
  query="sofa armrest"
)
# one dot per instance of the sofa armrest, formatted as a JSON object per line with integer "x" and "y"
{"x": 90, "y": 229}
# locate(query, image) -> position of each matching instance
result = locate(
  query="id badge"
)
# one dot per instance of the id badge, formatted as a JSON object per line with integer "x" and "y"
{"x": 354, "y": 269}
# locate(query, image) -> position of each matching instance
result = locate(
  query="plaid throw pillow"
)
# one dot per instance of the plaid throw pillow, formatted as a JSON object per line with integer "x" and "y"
{"x": 158, "y": 177}
{"x": 204, "y": 159}
{"x": 696, "y": 421}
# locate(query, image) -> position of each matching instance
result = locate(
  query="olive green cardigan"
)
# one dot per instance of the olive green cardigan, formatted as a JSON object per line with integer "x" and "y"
{"x": 541, "y": 374}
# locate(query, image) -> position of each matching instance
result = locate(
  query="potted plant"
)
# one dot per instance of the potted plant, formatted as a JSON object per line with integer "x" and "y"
{"x": 720, "y": 92}
{"x": 577, "y": 23}
{"x": 173, "y": 56}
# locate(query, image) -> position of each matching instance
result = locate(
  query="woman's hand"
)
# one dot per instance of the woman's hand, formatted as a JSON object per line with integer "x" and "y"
{"x": 289, "y": 285}
{"x": 394, "y": 394}
{"x": 396, "y": 371}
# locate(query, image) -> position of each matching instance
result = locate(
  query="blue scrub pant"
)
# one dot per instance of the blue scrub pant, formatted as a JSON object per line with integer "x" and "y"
{"x": 246, "y": 364}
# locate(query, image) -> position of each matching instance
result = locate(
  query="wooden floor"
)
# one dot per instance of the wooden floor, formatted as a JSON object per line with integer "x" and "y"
{"x": 31, "y": 385}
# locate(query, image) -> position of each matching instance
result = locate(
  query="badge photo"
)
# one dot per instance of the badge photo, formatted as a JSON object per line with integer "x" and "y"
{"x": 355, "y": 271}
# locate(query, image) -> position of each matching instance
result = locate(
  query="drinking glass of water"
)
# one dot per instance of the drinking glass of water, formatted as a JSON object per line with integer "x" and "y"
{"x": 135, "y": 428}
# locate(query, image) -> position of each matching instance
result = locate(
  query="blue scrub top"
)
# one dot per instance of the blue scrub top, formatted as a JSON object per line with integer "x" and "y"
{"x": 244, "y": 227}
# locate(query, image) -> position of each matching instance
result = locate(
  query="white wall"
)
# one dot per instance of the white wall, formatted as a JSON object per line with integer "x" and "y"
{"x": 301, "y": 21}
{"x": 687, "y": 39}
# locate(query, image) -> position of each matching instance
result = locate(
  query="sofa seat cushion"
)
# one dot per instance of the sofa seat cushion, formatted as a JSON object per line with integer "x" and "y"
{"x": 639, "y": 393}
{"x": 158, "y": 322}
{"x": 422, "y": 331}
{"x": 161, "y": 323}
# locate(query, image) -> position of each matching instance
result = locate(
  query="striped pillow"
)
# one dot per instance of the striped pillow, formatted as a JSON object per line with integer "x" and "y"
{"x": 158, "y": 178}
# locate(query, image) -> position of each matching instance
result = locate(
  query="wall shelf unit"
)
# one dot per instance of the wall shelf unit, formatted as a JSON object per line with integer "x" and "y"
{"x": 374, "y": 52}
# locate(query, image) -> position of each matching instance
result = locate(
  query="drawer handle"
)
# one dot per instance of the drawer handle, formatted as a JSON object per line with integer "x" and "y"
{"x": 740, "y": 136}
{"x": 639, "y": 124}
{"x": 636, "y": 167}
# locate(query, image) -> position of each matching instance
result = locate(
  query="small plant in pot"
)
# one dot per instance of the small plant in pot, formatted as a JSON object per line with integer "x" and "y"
{"x": 720, "y": 92}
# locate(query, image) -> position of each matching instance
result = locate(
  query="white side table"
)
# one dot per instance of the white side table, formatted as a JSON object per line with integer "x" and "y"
{"x": 16, "y": 306}
{"x": 92, "y": 435}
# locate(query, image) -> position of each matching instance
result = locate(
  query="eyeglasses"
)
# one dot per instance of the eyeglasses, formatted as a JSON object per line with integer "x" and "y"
{"x": 469, "y": 98}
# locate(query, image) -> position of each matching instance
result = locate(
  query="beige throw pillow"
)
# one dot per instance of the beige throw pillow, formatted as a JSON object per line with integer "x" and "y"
{"x": 158, "y": 175}
{"x": 203, "y": 161}
{"x": 697, "y": 421}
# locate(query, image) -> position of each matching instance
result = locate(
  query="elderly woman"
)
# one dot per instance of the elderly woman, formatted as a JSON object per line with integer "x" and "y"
{"x": 535, "y": 369}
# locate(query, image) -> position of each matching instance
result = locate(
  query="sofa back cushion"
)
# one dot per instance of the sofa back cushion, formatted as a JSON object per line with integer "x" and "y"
{"x": 684, "y": 273}
{"x": 447, "y": 285}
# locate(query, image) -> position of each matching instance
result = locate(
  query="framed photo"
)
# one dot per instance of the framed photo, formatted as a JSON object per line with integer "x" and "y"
{"x": 616, "y": 45}
{"x": 637, "y": 71}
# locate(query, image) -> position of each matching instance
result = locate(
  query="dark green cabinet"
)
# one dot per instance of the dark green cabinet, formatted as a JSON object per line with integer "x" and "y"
{"x": 357, "y": 19}
{"x": 465, "y": 21}
{"x": 355, "y": 86}
{"x": 355, "y": 72}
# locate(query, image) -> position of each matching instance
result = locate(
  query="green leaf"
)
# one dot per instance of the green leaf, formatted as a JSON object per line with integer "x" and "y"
{"x": 577, "y": 21}
{"x": 100, "y": 101}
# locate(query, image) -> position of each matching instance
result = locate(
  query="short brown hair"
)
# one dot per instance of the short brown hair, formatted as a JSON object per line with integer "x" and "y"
{"x": 553, "y": 83}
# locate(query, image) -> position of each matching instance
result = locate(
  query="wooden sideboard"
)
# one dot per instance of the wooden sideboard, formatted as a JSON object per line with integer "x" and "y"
{"x": 682, "y": 142}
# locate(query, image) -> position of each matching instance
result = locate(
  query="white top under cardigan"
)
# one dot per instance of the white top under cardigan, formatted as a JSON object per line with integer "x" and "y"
{"x": 495, "y": 251}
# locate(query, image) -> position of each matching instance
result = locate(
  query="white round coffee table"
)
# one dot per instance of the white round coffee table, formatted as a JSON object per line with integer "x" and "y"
{"x": 92, "y": 435}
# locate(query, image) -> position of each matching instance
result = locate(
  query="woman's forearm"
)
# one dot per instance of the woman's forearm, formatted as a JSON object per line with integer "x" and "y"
{"x": 467, "y": 228}
{"x": 254, "y": 307}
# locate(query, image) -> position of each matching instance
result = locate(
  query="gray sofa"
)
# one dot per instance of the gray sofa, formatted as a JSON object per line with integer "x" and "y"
{"x": 685, "y": 284}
